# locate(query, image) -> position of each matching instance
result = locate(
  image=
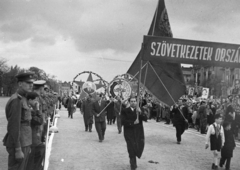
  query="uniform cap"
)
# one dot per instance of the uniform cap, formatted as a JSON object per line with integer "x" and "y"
{"x": 26, "y": 77}
{"x": 39, "y": 83}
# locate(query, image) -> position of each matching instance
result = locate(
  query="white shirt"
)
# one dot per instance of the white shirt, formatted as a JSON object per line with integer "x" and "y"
{"x": 211, "y": 131}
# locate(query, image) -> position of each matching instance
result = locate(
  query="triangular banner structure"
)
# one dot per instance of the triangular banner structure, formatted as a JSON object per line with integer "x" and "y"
{"x": 90, "y": 78}
{"x": 172, "y": 86}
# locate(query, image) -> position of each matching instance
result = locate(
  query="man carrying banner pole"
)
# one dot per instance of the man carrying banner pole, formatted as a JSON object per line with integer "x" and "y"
{"x": 132, "y": 118}
{"x": 99, "y": 112}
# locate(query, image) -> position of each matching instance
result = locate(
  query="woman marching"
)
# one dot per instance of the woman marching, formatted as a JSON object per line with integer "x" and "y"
{"x": 215, "y": 135}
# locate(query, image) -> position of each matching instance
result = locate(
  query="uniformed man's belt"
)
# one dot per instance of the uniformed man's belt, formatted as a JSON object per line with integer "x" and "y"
{"x": 25, "y": 123}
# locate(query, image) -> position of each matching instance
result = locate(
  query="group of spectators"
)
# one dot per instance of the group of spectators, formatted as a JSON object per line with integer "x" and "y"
{"x": 198, "y": 114}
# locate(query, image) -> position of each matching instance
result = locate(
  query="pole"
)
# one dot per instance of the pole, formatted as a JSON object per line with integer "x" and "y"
{"x": 145, "y": 78}
{"x": 139, "y": 82}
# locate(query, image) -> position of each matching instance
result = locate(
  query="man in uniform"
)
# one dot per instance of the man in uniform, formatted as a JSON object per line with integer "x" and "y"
{"x": 18, "y": 139}
{"x": 37, "y": 124}
{"x": 45, "y": 111}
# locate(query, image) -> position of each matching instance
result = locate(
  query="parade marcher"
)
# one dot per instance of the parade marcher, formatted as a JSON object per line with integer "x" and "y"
{"x": 215, "y": 135}
{"x": 202, "y": 113}
{"x": 70, "y": 106}
{"x": 179, "y": 121}
{"x": 229, "y": 145}
{"x": 87, "y": 113}
{"x": 18, "y": 139}
{"x": 168, "y": 120}
{"x": 133, "y": 131}
{"x": 119, "y": 106}
{"x": 100, "y": 117}
{"x": 194, "y": 117}
{"x": 59, "y": 102}
{"x": 110, "y": 111}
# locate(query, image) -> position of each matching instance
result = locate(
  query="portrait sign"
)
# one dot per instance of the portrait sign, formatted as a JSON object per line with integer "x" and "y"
{"x": 205, "y": 92}
{"x": 89, "y": 87}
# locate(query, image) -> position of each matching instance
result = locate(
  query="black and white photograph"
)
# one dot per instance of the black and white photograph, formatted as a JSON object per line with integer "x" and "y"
{"x": 119, "y": 85}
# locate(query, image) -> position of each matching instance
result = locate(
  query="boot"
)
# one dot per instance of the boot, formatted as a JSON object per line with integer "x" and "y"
{"x": 86, "y": 128}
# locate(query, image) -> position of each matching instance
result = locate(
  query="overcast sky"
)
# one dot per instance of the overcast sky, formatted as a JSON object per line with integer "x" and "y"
{"x": 66, "y": 37}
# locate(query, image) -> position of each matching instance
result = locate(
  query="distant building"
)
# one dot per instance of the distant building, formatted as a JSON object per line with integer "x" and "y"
{"x": 187, "y": 74}
{"x": 77, "y": 86}
{"x": 66, "y": 88}
{"x": 221, "y": 81}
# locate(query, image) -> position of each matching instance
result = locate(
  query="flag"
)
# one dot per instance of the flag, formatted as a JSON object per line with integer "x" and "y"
{"x": 169, "y": 73}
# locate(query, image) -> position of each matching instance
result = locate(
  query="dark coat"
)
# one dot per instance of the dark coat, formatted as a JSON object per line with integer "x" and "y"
{"x": 229, "y": 110}
{"x": 18, "y": 114}
{"x": 87, "y": 111}
{"x": 133, "y": 133}
{"x": 229, "y": 145}
{"x": 177, "y": 116}
{"x": 96, "y": 109}
{"x": 70, "y": 105}
{"x": 110, "y": 110}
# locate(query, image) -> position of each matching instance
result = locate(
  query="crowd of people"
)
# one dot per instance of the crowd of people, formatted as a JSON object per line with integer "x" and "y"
{"x": 220, "y": 121}
{"x": 202, "y": 116}
{"x": 199, "y": 115}
{"x": 28, "y": 112}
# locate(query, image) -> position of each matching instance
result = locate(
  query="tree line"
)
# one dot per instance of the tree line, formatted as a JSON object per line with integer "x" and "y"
{"x": 8, "y": 82}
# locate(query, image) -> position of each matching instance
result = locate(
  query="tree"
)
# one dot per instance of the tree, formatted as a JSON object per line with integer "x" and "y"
{"x": 10, "y": 81}
{"x": 53, "y": 84}
{"x": 39, "y": 74}
{"x": 3, "y": 69}
{"x": 3, "y": 66}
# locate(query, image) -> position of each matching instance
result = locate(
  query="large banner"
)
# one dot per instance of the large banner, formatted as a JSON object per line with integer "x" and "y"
{"x": 191, "y": 52}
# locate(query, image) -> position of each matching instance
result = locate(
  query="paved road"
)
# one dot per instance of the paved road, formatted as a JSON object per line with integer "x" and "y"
{"x": 3, "y": 130}
{"x": 75, "y": 149}
{"x": 82, "y": 151}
